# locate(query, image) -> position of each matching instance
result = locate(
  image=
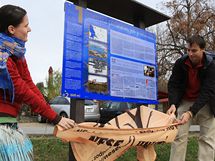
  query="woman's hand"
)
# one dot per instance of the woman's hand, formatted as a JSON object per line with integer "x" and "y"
{"x": 66, "y": 123}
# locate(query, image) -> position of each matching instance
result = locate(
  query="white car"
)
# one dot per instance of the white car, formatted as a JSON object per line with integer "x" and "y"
{"x": 61, "y": 105}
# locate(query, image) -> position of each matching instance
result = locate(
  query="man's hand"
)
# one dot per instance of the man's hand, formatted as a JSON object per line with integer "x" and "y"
{"x": 171, "y": 110}
{"x": 185, "y": 117}
{"x": 66, "y": 123}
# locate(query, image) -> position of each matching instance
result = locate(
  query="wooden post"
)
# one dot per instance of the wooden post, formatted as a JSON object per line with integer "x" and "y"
{"x": 77, "y": 114}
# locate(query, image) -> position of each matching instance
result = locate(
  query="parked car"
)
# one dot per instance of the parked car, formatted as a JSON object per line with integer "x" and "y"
{"x": 109, "y": 110}
{"x": 61, "y": 105}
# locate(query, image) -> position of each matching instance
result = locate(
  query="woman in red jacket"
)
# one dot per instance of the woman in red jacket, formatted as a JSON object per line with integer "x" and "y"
{"x": 17, "y": 87}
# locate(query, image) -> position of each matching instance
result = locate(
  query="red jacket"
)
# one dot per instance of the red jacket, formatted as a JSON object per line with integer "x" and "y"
{"x": 25, "y": 91}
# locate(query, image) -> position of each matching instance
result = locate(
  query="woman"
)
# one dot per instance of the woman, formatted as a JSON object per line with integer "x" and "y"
{"x": 17, "y": 87}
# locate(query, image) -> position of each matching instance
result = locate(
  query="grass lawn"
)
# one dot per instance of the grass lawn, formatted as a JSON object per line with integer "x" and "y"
{"x": 53, "y": 149}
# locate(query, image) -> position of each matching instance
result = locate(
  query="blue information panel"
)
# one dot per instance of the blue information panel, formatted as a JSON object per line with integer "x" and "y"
{"x": 107, "y": 59}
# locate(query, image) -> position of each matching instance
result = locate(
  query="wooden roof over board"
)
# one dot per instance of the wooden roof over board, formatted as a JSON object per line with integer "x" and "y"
{"x": 129, "y": 11}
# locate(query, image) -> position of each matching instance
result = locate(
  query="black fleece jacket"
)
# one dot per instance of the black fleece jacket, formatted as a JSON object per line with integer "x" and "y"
{"x": 178, "y": 83}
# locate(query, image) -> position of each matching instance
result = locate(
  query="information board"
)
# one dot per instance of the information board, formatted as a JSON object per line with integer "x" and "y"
{"x": 107, "y": 59}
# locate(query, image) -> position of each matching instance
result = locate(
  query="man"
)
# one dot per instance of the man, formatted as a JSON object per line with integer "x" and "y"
{"x": 191, "y": 90}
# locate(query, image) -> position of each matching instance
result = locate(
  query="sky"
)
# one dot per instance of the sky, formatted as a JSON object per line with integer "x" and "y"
{"x": 45, "y": 41}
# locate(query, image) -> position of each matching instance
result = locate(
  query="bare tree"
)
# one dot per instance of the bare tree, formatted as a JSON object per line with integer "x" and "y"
{"x": 188, "y": 17}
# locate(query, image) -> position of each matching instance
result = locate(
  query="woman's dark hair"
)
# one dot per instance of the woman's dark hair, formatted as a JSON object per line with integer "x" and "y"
{"x": 10, "y": 15}
{"x": 197, "y": 39}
